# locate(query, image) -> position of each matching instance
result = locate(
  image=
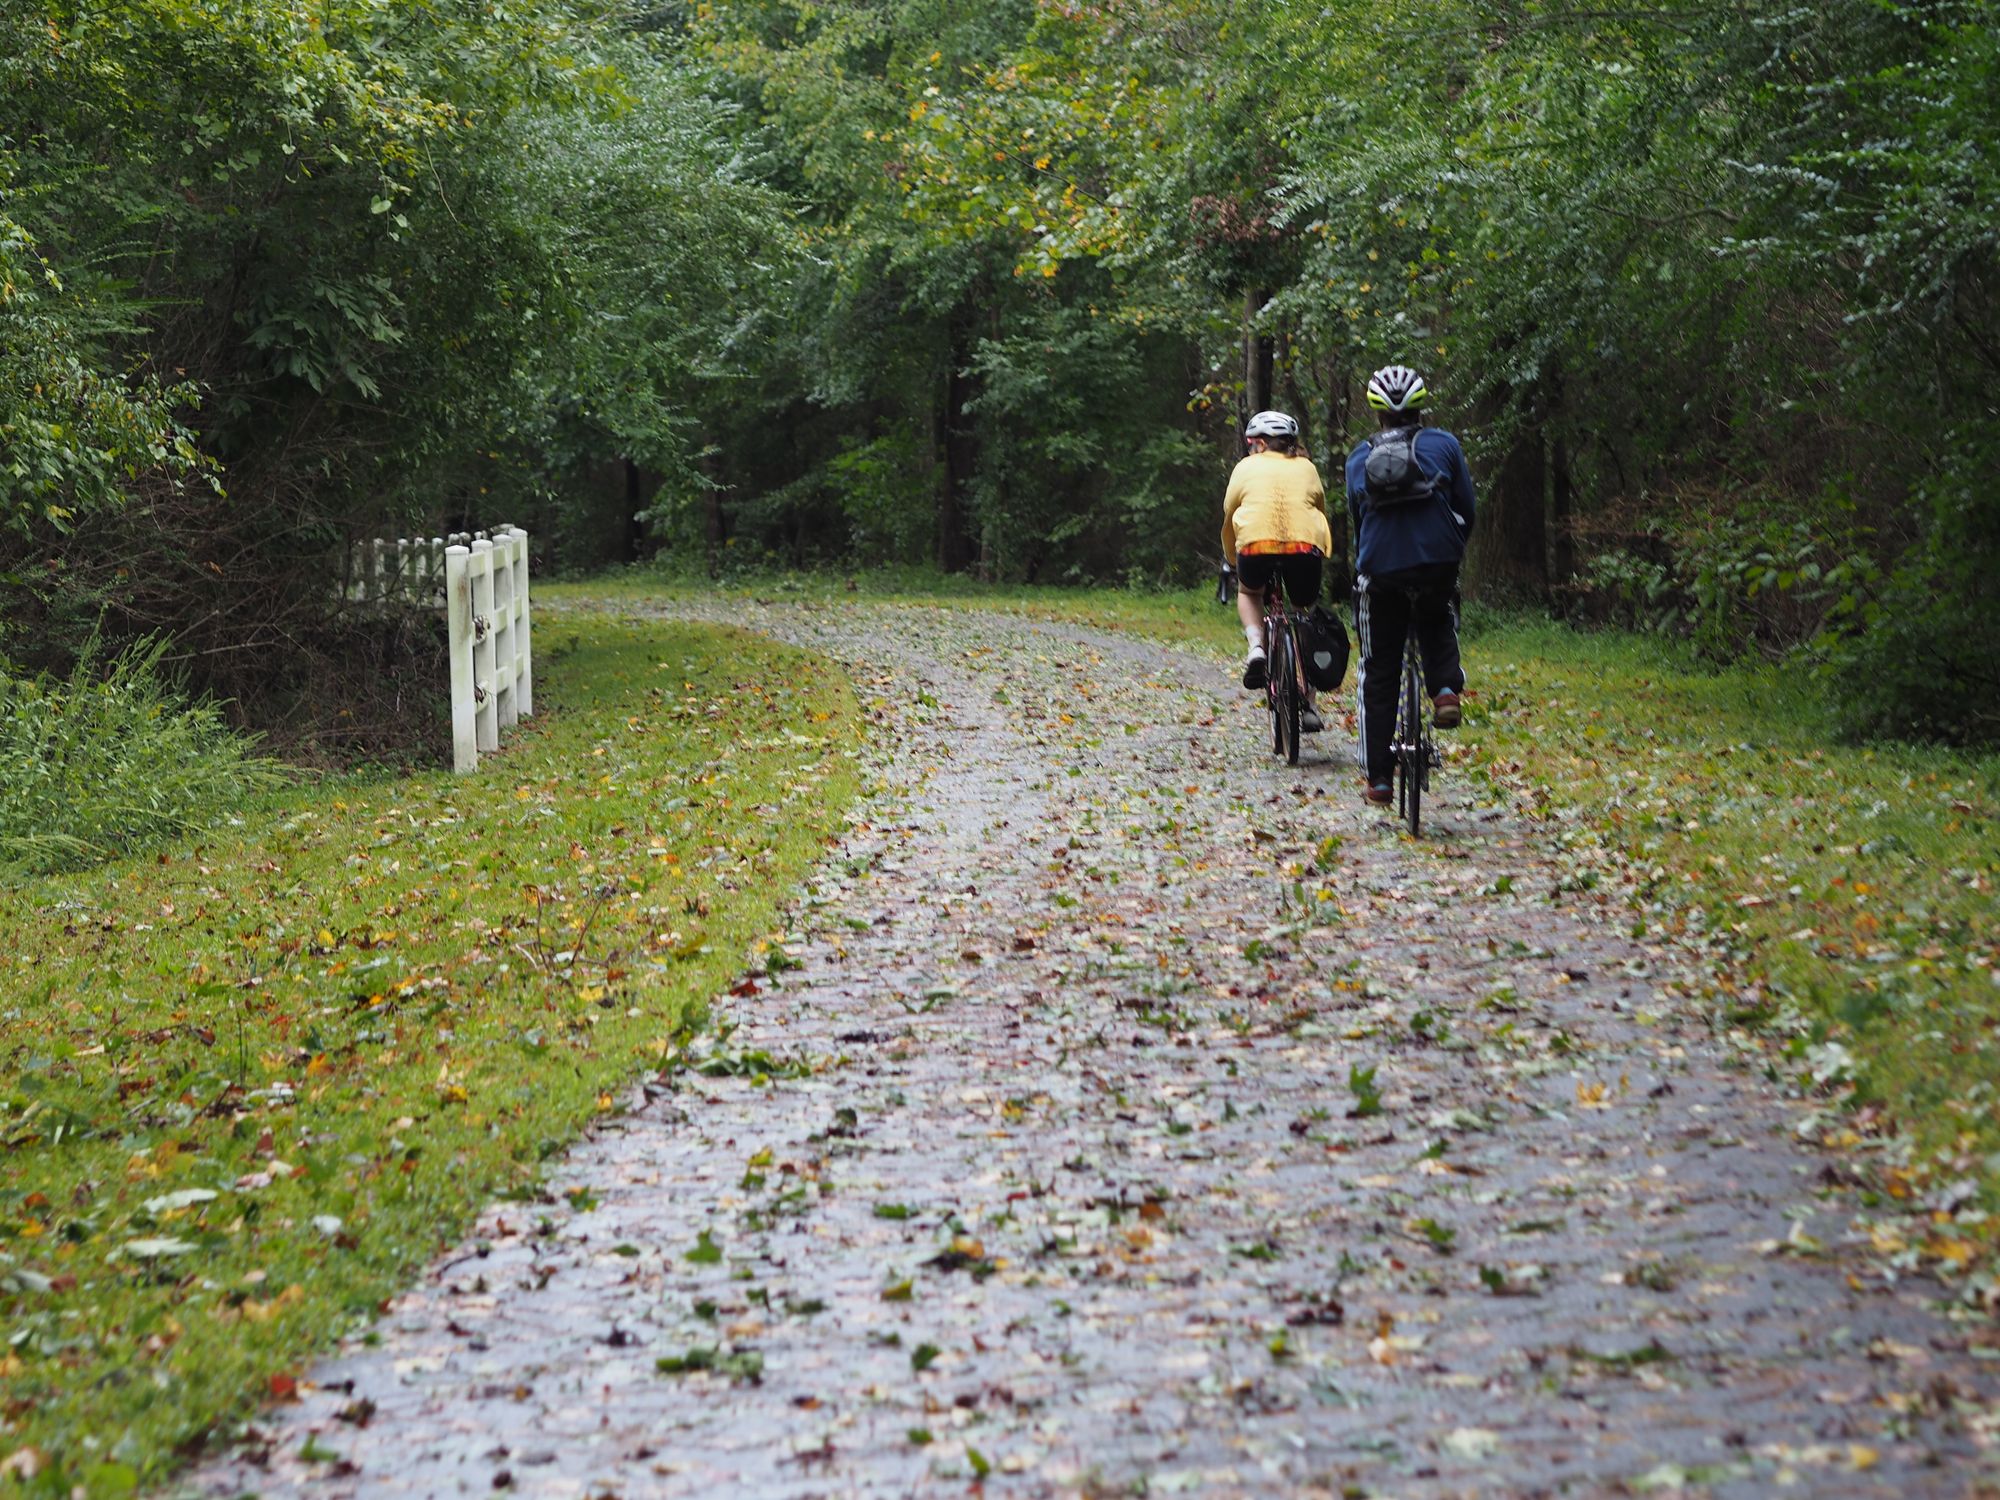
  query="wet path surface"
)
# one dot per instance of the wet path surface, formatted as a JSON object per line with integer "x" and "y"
{"x": 1147, "y": 1116}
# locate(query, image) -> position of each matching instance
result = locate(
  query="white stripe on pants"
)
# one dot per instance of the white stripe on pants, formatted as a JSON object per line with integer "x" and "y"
{"x": 1363, "y": 644}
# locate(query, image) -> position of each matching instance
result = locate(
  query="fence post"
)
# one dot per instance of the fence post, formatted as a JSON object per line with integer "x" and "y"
{"x": 503, "y": 630}
{"x": 524, "y": 643}
{"x": 486, "y": 719}
{"x": 458, "y": 643}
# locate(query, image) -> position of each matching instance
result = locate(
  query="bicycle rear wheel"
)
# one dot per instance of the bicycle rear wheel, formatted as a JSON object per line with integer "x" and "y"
{"x": 1411, "y": 749}
{"x": 1285, "y": 698}
{"x": 1271, "y": 653}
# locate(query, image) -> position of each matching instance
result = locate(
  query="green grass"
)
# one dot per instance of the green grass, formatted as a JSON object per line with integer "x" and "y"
{"x": 1850, "y": 890}
{"x": 252, "y": 1086}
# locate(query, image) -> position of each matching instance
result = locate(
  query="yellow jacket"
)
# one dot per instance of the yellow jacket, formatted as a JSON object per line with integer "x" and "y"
{"x": 1273, "y": 498}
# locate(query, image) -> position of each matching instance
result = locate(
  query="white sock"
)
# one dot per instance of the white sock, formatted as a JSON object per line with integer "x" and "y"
{"x": 1254, "y": 634}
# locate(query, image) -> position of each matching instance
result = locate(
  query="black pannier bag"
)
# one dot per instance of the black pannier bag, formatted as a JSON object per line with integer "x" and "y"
{"x": 1323, "y": 648}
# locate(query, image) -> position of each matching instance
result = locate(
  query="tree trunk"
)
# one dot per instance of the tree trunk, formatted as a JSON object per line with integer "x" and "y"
{"x": 955, "y": 438}
{"x": 1259, "y": 354}
{"x": 1295, "y": 392}
{"x": 1562, "y": 513}
{"x": 714, "y": 525}
{"x": 1512, "y": 557}
{"x": 635, "y": 505}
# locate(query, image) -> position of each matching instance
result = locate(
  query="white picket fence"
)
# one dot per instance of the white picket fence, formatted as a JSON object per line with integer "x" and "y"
{"x": 481, "y": 584}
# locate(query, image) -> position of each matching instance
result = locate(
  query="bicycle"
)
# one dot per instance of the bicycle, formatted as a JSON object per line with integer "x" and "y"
{"x": 1284, "y": 674}
{"x": 1413, "y": 748}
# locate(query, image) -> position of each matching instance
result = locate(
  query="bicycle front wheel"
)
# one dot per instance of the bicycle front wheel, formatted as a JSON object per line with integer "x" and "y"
{"x": 1410, "y": 744}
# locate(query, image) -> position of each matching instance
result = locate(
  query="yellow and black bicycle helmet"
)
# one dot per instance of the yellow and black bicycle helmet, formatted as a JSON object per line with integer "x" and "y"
{"x": 1397, "y": 388}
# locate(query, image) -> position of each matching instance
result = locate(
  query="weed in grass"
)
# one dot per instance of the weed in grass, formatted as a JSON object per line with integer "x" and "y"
{"x": 112, "y": 760}
{"x": 1367, "y": 1096}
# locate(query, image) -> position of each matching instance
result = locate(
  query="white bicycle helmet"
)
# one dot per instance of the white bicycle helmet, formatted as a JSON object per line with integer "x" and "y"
{"x": 1397, "y": 388}
{"x": 1271, "y": 424}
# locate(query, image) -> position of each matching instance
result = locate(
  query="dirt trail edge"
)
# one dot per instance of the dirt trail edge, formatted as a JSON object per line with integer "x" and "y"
{"x": 1147, "y": 1116}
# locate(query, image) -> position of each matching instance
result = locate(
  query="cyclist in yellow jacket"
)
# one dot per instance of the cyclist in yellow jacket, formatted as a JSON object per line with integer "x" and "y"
{"x": 1274, "y": 530}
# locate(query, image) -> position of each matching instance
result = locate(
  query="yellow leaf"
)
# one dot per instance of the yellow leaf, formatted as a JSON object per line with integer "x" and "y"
{"x": 1959, "y": 1252}
{"x": 263, "y": 1312}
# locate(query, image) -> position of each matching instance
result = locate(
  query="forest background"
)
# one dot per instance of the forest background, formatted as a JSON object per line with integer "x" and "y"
{"x": 1710, "y": 290}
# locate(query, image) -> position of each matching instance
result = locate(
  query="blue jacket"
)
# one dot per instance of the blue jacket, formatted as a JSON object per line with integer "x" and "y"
{"x": 1414, "y": 536}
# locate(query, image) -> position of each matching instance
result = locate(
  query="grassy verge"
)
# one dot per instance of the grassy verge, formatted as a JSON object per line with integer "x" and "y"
{"x": 1852, "y": 888}
{"x": 251, "y": 1086}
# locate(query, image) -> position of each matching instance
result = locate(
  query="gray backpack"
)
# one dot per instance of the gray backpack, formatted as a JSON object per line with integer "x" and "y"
{"x": 1392, "y": 476}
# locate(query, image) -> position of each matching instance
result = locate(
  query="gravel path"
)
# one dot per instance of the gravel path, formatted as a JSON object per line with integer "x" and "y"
{"x": 1148, "y": 1116}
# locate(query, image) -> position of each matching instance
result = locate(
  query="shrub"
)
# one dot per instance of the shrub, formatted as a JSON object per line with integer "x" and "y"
{"x": 1744, "y": 581}
{"x": 110, "y": 759}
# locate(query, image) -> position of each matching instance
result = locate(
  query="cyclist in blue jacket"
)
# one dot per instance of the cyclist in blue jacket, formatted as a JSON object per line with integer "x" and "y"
{"x": 1410, "y": 533}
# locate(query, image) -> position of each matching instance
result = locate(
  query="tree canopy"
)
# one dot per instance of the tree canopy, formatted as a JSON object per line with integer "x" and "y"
{"x": 1709, "y": 289}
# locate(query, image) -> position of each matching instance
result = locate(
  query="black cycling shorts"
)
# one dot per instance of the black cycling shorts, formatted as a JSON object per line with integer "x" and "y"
{"x": 1300, "y": 572}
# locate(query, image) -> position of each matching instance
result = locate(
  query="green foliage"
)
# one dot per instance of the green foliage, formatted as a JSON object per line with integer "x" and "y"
{"x": 1699, "y": 265}
{"x": 1752, "y": 579}
{"x": 71, "y": 433}
{"x": 275, "y": 277}
{"x": 111, "y": 760}
{"x": 1914, "y": 654}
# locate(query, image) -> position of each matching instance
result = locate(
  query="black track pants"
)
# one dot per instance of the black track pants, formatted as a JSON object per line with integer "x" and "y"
{"x": 1383, "y": 613}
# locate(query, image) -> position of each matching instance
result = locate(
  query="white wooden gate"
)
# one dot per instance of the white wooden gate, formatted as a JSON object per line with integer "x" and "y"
{"x": 481, "y": 583}
{"x": 487, "y": 621}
